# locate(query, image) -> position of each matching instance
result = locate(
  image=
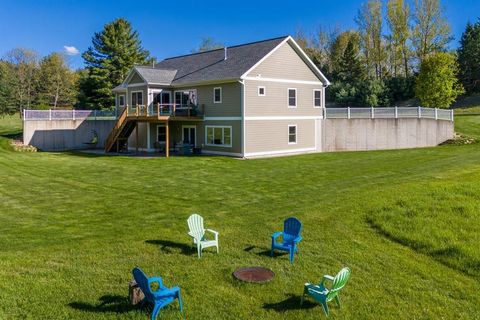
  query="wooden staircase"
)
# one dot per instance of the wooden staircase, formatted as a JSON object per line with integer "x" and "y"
{"x": 117, "y": 139}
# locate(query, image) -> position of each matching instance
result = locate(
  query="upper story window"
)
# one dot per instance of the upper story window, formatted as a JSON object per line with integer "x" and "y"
{"x": 292, "y": 97}
{"x": 186, "y": 97}
{"x": 121, "y": 100}
{"x": 317, "y": 98}
{"x": 292, "y": 134}
{"x": 137, "y": 98}
{"x": 261, "y": 91}
{"x": 217, "y": 95}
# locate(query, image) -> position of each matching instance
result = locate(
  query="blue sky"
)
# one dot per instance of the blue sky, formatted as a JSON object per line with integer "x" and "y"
{"x": 169, "y": 28}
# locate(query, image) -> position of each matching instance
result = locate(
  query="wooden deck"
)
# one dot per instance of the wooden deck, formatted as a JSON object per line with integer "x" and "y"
{"x": 129, "y": 118}
{"x": 162, "y": 118}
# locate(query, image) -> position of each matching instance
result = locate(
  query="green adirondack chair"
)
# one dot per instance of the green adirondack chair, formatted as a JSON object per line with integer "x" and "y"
{"x": 322, "y": 294}
{"x": 197, "y": 232}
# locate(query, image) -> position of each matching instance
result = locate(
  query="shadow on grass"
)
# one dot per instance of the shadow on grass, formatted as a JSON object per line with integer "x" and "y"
{"x": 450, "y": 256}
{"x": 290, "y": 303}
{"x": 169, "y": 246}
{"x": 15, "y": 135}
{"x": 107, "y": 303}
{"x": 265, "y": 252}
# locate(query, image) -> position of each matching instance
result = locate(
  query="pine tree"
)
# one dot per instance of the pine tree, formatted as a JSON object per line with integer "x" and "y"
{"x": 469, "y": 58}
{"x": 114, "y": 51}
{"x": 350, "y": 68}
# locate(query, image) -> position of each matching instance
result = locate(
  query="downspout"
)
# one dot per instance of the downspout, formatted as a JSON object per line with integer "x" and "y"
{"x": 242, "y": 110}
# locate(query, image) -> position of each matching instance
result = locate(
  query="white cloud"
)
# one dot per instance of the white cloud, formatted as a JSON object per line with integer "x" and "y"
{"x": 71, "y": 50}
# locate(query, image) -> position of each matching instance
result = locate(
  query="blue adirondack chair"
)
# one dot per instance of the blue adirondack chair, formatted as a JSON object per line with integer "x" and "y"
{"x": 159, "y": 298}
{"x": 290, "y": 237}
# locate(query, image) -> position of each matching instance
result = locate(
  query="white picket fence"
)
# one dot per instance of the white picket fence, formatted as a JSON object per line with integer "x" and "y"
{"x": 69, "y": 114}
{"x": 388, "y": 113}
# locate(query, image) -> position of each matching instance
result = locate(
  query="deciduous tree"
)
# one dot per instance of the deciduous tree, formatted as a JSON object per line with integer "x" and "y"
{"x": 7, "y": 105}
{"x": 369, "y": 21}
{"x": 431, "y": 32}
{"x": 24, "y": 64}
{"x": 207, "y": 44}
{"x": 398, "y": 17}
{"x": 437, "y": 85}
{"x": 56, "y": 86}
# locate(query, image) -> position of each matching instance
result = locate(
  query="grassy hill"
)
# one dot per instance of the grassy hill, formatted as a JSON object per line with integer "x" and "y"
{"x": 72, "y": 226}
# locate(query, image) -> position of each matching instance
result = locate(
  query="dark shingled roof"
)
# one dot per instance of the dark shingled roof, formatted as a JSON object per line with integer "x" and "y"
{"x": 209, "y": 65}
{"x": 157, "y": 75}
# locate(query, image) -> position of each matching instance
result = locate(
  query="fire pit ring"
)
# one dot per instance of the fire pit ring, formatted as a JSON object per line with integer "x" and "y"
{"x": 254, "y": 274}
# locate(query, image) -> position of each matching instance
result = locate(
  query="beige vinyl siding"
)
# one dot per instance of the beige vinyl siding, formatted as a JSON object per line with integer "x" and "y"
{"x": 284, "y": 63}
{"x": 176, "y": 129}
{"x": 275, "y": 101}
{"x": 236, "y": 136}
{"x": 139, "y": 88}
{"x": 231, "y": 100}
{"x": 272, "y": 136}
{"x": 142, "y": 137}
{"x": 136, "y": 79}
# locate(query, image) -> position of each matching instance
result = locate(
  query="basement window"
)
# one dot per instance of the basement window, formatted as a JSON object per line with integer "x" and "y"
{"x": 219, "y": 136}
{"x": 292, "y": 134}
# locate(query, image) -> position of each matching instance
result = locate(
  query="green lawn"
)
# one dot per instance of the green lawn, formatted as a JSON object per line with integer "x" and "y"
{"x": 407, "y": 222}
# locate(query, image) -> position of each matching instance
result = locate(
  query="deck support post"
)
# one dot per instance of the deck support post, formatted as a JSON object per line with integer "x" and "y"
{"x": 167, "y": 140}
{"x": 136, "y": 137}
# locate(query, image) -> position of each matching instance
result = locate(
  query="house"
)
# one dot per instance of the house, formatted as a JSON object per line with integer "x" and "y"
{"x": 251, "y": 100}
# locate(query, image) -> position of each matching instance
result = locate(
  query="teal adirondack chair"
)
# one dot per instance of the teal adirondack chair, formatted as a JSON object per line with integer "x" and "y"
{"x": 197, "y": 232}
{"x": 322, "y": 294}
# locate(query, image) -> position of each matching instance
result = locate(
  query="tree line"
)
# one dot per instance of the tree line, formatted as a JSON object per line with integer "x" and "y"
{"x": 28, "y": 81}
{"x": 398, "y": 51}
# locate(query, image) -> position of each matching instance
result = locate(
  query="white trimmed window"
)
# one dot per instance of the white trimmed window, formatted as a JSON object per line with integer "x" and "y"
{"x": 218, "y": 136}
{"x": 292, "y": 134}
{"x": 262, "y": 92}
{"x": 217, "y": 95}
{"x": 121, "y": 100}
{"x": 317, "y": 98}
{"x": 137, "y": 98}
{"x": 292, "y": 97}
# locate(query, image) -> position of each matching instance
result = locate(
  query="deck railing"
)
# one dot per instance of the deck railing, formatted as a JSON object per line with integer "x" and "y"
{"x": 165, "y": 109}
{"x": 69, "y": 114}
{"x": 388, "y": 113}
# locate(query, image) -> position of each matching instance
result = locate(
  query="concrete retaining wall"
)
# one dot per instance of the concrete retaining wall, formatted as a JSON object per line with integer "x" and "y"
{"x": 334, "y": 135}
{"x": 378, "y": 134}
{"x": 58, "y": 135}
